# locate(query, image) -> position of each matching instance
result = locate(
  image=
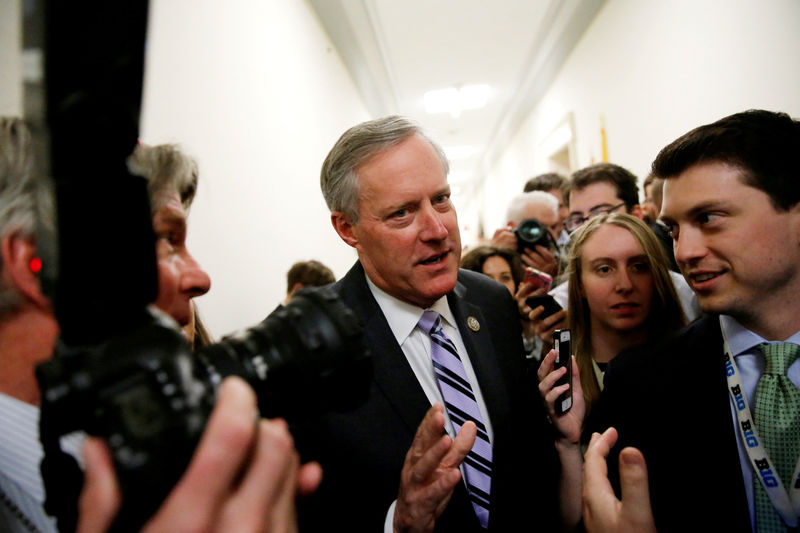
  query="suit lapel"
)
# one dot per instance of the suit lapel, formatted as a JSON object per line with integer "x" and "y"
{"x": 481, "y": 353}
{"x": 393, "y": 375}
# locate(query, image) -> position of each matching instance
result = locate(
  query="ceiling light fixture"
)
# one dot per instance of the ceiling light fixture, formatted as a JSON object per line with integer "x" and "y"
{"x": 455, "y": 100}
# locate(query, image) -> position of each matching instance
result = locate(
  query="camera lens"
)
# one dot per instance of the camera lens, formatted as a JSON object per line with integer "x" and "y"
{"x": 305, "y": 358}
{"x": 150, "y": 397}
{"x": 530, "y": 233}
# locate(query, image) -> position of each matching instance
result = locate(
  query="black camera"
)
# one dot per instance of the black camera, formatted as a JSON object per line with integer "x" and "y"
{"x": 150, "y": 397}
{"x": 531, "y": 232}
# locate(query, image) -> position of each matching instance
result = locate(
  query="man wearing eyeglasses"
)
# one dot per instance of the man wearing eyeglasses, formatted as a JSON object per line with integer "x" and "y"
{"x": 598, "y": 189}
{"x": 595, "y": 190}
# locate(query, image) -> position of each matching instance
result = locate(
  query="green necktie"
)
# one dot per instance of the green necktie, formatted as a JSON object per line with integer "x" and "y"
{"x": 777, "y": 418}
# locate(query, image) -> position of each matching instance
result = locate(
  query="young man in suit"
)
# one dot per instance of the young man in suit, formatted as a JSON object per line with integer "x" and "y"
{"x": 732, "y": 203}
{"x": 408, "y": 459}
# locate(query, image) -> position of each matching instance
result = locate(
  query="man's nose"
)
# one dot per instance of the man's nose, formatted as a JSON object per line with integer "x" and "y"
{"x": 194, "y": 280}
{"x": 433, "y": 227}
{"x": 689, "y": 246}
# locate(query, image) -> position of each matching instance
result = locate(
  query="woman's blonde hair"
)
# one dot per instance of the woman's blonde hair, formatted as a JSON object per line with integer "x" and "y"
{"x": 666, "y": 314}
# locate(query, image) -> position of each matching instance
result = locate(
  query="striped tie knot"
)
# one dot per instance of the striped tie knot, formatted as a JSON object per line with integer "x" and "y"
{"x": 430, "y": 322}
{"x": 779, "y": 356}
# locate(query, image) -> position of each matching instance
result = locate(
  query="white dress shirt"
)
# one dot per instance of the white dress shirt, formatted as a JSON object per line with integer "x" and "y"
{"x": 416, "y": 346}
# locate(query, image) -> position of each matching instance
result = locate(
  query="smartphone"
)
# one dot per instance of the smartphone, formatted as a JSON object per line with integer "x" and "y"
{"x": 550, "y": 304}
{"x": 562, "y": 343}
{"x": 538, "y": 278}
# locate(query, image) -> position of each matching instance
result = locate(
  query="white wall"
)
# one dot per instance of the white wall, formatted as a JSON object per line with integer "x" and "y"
{"x": 655, "y": 70}
{"x": 255, "y": 92}
{"x": 10, "y": 58}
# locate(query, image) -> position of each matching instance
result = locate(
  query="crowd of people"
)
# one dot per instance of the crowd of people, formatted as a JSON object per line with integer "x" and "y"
{"x": 685, "y": 328}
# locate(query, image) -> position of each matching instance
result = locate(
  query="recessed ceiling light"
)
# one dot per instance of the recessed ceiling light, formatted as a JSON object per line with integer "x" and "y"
{"x": 455, "y": 100}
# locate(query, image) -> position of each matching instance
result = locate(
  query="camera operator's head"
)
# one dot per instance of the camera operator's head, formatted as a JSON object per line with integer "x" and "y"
{"x": 172, "y": 183}
{"x": 554, "y": 184}
{"x": 28, "y": 327}
{"x": 539, "y": 205}
{"x": 601, "y": 188}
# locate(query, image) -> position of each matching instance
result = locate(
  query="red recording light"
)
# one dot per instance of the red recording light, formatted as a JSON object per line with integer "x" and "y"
{"x": 36, "y": 265}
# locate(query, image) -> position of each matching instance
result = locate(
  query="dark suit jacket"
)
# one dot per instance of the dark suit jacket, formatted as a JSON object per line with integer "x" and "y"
{"x": 671, "y": 401}
{"x": 362, "y": 451}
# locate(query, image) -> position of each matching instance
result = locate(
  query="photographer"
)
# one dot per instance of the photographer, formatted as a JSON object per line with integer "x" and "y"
{"x": 28, "y": 333}
{"x": 543, "y": 256}
{"x": 544, "y": 208}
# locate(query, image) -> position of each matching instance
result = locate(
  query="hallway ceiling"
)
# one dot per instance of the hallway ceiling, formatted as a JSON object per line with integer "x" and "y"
{"x": 397, "y": 50}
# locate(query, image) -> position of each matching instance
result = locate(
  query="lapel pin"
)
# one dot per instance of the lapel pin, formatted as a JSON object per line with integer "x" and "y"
{"x": 473, "y": 323}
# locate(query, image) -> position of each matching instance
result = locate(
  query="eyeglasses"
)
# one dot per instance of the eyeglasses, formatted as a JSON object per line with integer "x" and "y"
{"x": 575, "y": 221}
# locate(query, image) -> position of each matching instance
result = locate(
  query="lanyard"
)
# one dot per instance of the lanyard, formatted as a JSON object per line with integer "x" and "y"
{"x": 788, "y": 507}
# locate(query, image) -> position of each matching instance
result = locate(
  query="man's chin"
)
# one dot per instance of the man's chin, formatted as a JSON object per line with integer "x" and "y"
{"x": 714, "y": 304}
{"x": 440, "y": 287}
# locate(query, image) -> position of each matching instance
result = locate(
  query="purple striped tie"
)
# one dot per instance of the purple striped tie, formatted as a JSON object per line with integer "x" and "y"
{"x": 461, "y": 406}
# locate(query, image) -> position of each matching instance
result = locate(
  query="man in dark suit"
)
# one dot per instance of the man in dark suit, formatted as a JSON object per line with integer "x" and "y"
{"x": 398, "y": 462}
{"x": 732, "y": 203}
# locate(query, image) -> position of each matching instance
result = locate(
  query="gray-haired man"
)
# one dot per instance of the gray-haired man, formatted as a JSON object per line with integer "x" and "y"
{"x": 388, "y": 463}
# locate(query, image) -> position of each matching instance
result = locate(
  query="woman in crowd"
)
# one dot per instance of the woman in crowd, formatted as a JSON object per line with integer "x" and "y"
{"x": 500, "y": 264}
{"x": 505, "y": 266}
{"x": 620, "y": 295}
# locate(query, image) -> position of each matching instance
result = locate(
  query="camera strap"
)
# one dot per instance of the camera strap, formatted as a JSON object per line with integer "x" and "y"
{"x": 786, "y": 504}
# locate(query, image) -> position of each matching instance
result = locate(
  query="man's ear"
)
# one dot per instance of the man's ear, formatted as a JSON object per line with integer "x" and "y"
{"x": 345, "y": 228}
{"x": 18, "y": 252}
{"x": 296, "y": 287}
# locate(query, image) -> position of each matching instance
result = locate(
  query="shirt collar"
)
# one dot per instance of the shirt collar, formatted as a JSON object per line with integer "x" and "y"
{"x": 742, "y": 340}
{"x": 403, "y": 316}
{"x": 20, "y": 449}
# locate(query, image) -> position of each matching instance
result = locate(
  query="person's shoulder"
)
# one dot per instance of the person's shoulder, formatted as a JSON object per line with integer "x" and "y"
{"x": 480, "y": 283}
{"x": 560, "y": 294}
{"x": 489, "y": 295}
{"x": 670, "y": 351}
{"x": 470, "y": 277}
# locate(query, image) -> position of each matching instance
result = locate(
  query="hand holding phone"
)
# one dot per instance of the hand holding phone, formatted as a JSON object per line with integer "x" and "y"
{"x": 550, "y": 304}
{"x": 562, "y": 343}
{"x": 538, "y": 279}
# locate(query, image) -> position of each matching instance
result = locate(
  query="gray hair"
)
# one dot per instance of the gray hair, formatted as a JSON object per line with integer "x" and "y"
{"x": 516, "y": 209}
{"x": 168, "y": 171}
{"x": 356, "y": 146}
{"x": 26, "y": 197}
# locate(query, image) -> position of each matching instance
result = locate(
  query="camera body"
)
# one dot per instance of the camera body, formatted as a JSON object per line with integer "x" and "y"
{"x": 530, "y": 233}
{"x": 150, "y": 397}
